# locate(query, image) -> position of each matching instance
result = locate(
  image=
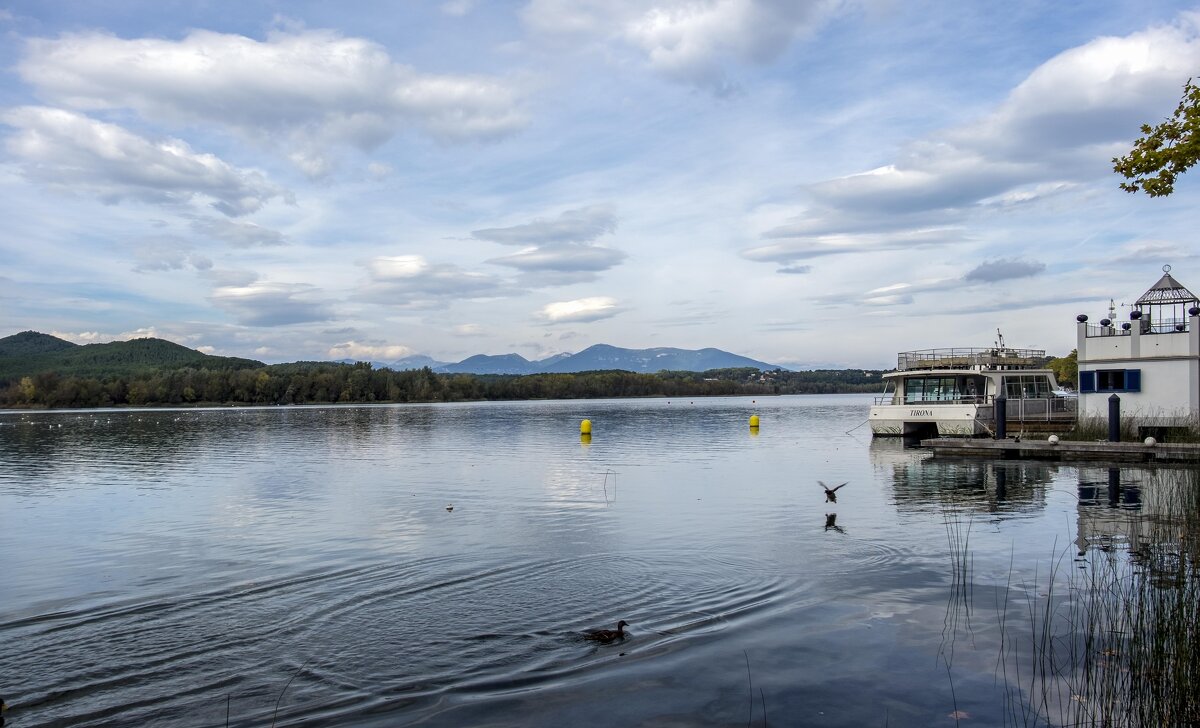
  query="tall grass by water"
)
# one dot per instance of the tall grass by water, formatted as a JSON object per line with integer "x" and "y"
{"x": 1108, "y": 635}
{"x": 1095, "y": 427}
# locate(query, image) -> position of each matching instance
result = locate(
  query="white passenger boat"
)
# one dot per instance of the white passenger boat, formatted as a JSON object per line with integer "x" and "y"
{"x": 952, "y": 393}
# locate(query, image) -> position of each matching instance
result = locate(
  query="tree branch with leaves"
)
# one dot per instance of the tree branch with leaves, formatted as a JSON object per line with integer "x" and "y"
{"x": 1166, "y": 150}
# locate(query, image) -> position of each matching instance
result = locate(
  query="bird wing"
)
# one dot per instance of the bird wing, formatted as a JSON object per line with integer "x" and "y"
{"x": 836, "y": 487}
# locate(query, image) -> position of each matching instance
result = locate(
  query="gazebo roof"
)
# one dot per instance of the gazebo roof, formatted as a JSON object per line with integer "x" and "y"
{"x": 1166, "y": 292}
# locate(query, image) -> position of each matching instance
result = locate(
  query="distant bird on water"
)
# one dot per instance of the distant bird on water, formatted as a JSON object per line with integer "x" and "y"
{"x": 608, "y": 635}
{"x": 450, "y": 507}
{"x": 831, "y": 493}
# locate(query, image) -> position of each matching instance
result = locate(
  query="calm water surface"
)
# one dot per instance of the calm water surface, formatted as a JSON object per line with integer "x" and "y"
{"x": 181, "y": 567}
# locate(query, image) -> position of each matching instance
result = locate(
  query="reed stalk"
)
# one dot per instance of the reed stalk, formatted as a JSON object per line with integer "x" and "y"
{"x": 1116, "y": 643}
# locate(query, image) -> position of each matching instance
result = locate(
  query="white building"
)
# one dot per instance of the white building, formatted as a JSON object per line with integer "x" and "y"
{"x": 1152, "y": 361}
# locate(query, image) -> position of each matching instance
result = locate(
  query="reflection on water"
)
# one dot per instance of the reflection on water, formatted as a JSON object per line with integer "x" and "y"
{"x": 970, "y": 485}
{"x": 161, "y": 566}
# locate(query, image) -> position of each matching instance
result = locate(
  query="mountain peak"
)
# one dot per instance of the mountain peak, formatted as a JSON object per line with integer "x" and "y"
{"x": 33, "y": 343}
{"x": 607, "y": 356}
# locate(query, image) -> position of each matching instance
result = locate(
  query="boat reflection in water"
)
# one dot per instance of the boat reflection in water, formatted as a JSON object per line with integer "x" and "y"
{"x": 980, "y": 486}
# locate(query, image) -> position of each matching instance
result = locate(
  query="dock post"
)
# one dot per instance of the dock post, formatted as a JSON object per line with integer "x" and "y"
{"x": 1001, "y": 416}
{"x": 1114, "y": 418}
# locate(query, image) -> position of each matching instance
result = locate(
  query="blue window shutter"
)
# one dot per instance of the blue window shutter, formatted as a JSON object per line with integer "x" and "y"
{"x": 1133, "y": 380}
{"x": 1087, "y": 381}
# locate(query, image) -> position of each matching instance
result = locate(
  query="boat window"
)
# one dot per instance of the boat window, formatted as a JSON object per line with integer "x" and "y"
{"x": 973, "y": 389}
{"x": 931, "y": 389}
{"x": 1027, "y": 386}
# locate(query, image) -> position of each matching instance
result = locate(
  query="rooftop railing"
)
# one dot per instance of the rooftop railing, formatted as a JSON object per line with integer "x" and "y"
{"x": 1166, "y": 326}
{"x": 1161, "y": 326}
{"x": 971, "y": 358}
{"x": 1097, "y": 330}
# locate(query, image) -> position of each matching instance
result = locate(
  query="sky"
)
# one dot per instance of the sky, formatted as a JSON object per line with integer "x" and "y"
{"x": 806, "y": 182}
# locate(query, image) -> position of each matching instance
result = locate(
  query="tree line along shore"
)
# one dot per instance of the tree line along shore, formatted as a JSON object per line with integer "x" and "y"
{"x": 323, "y": 383}
{"x": 42, "y": 371}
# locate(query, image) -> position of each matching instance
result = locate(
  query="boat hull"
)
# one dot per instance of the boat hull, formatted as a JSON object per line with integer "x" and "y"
{"x": 955, "y": 420}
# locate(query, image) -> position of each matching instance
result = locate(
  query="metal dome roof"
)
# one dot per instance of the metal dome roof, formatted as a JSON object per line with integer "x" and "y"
{"x": 1167, "y": 291}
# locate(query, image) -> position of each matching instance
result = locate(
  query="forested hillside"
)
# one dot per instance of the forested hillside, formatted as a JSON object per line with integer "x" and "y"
{"x": 29, "y": 353}
{"x": 315, "y": 383}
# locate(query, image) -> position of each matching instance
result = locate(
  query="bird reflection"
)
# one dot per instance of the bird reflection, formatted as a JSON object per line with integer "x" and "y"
{"x": 831, "y": 523}
{"x": 831, "y": 493}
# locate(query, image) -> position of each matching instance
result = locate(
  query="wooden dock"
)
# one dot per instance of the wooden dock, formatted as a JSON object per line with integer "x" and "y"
{"x": 1064, "y": 451}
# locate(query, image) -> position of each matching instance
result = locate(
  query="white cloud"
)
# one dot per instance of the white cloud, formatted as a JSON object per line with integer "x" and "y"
{"x": 411, "y": 281}
{"x": 165, "y": 254}
{"x": 561, "y": 247}
{"x": 238, "y": 234}
{"x": 580, "y": 310}
{"x": 367, "y": 351}
{"x": 1057, "y": 129}
{"x": 268, "y": 303}
{"x": 582, "y": 225}
{"x": 96, "y": 337}
{"x": 314, "y": 89}
{"x": 566, "y": 258}
{"x": 458, "y": 8}
{"x": 575, "y": 17}
{"x": 816, "y": 246}
{"x": 1003, "y": 269}
{"x": 468, "y": 330}
{"x": 1154, "y": 252}
{"x": 692, "y": 41}
{"x": 68, "y": 150}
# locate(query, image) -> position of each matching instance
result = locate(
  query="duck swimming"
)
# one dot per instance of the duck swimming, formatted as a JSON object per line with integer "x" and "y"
{"x": 608, "y": 635}
{"x": 831, "y": 493}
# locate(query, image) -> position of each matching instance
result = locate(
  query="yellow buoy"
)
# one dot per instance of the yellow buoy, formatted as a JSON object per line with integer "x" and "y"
{"x": 754, "y": 420}
{"x": 585, "y": 439}
{"x": 585, "y": 427}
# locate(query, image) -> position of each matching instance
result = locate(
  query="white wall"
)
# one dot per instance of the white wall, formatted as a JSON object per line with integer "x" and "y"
{"x": 1170, "y": 367}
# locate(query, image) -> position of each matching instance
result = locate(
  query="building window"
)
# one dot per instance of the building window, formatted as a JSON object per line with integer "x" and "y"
{"x": 1111, "y": 380}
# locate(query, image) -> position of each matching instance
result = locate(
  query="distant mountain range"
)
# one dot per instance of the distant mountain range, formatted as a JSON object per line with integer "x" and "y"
{"x": 30, "y": 352}
{"x": 600, "y": 356}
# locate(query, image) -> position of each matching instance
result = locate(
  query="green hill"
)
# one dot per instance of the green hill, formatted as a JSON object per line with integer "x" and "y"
{"x": 30, "y": 353}
{"x": 32, "y": 343}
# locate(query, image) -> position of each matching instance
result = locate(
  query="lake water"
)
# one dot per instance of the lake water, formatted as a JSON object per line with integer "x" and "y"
{"x": 199, "y": 567}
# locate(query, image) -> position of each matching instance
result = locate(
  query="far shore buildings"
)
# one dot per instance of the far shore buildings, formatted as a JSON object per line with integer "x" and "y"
{"x": 1151, "y": 361}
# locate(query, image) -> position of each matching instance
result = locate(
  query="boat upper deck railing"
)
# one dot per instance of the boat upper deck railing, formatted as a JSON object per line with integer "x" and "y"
{"x": 971, "y": 358}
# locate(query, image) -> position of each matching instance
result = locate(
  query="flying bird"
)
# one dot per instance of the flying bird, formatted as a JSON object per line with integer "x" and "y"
{"x": 608, "y": 635}
{"x": 831, "y": 493}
